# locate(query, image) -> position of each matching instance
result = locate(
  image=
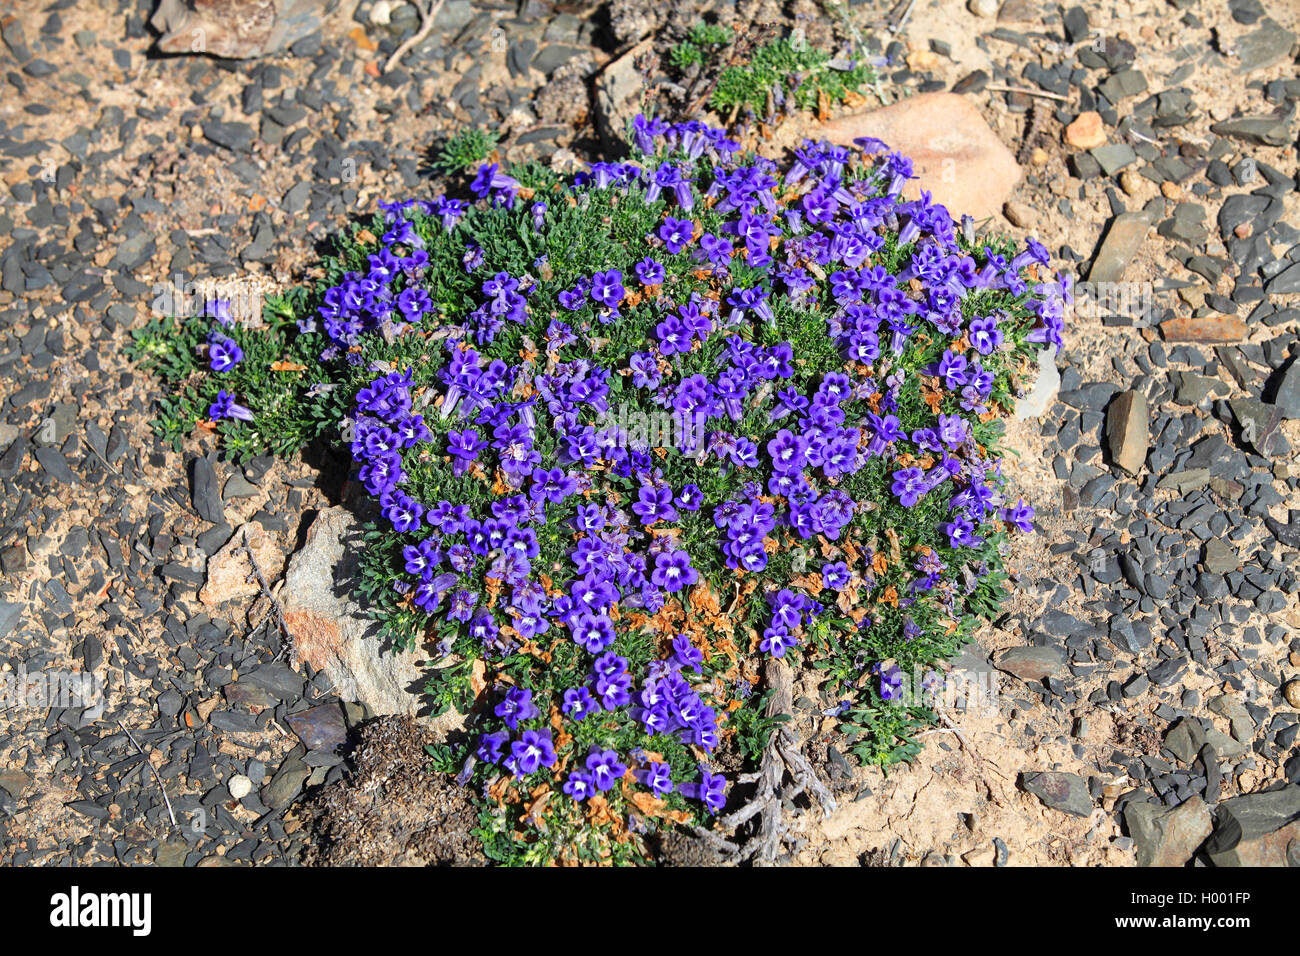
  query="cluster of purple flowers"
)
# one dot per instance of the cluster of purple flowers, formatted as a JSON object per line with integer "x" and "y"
{"x": 668, "y": 704}
{"x": 789, "y": 610}
{"x": 816, "y": 250}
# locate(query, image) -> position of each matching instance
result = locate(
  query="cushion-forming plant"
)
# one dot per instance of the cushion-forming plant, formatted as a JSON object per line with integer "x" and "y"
{"x": 629, "y": 433}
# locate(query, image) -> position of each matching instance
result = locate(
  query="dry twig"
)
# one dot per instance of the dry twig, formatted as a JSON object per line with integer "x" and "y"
{"x": 277, "y": 609}
{"x": 782, "y": 756}
{"x": 427, "y": 16}
{"x": 157, "y": 779}
{"x": 1027, "y": 92}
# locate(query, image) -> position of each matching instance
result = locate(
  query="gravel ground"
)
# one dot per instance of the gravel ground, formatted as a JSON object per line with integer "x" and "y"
{"x": 1154, "y": 626}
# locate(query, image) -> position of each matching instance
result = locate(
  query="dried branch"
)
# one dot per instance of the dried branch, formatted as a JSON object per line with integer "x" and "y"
{"x": 781, "y": 757}
{"x": 1027, "y": 92}
{"x": 277, "y": 609}
{"x": 427, "y": 16}
{"x": 157, "y": 779}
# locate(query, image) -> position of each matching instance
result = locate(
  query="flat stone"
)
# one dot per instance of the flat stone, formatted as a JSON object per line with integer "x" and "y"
{"x": 321, "y": 727}
{"x": 1123, "y": 239}
{"x": 1114, "y": 157}
{"x": 1128, "y": 430}
{"x": 1031, "y": 663}
{"x": 1087, "y": 131}
{"x": 287, "y": 783}
{"x": 232, "y": 31}
{"x": 1067, "y": 792}
{"x": 1208, "y": 329}
{"x": 1047, "y": 385}
{"x": 205, "y": 492}
{"x": 1185, "y": 739}
{"x": 229, "y": 573}
{"x": 957, "y": 158}
{"x": 1193, "y": 389}
{"x": 1259, "y": 130}
{"x": 1247, "y": 818}
{"x": 1262, "y": 48}
{"x": 333, "y": 633}
{"x": 1259, "y": 423}
{"x": 237, "y": 137}
{"x": 619, "y": 89}
{"x": 1219, "y": 557}
{"x": 1286, "y": 282}
{"x": 1167, "y": 836}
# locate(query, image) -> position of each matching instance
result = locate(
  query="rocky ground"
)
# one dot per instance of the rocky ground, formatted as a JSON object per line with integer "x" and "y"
{"x": 1147, "y": 704}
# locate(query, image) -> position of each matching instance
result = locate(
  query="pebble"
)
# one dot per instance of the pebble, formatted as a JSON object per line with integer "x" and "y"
{"x": 1017, "y": 213}
{"x": 1292, "y": 693}
{"x": 239, "y": 786}
{"x": 1066, "y": 792}
{"x": 1128, "y": 431}
{"x": 1087, "y": 131}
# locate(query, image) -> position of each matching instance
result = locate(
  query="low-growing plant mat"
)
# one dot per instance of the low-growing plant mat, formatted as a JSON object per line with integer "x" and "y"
{"x": 642, "y": 441}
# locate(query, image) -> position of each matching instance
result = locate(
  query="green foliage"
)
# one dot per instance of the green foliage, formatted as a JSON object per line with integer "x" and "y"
{"x": 781, "y": 69}
{"x": 701, "y": 45}
{"x": 468, "y": 147}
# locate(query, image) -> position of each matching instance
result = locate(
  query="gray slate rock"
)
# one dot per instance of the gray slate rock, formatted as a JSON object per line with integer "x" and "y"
{"x": 205, "y": 492}
{"x": 1031, "y": 663}
{"x": 1067, "y": 792}
{"x": 1123, "y": 239}
{"x": 1252, "y": 815}
{"x": 1167, "y": 836}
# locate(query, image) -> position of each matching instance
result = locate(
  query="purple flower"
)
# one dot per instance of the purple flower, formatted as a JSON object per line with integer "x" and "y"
{"x": 891, "y": 681}
{"x": 490, "y": 181}
{"x": 952, "y": 371}
{"x": 578, "y": 703}
{"x": 669, "y": 177}
{"x": 657, "y": 776}
{"x": 835, "y": 575}
{"x": 645, "y": 130}
{"x": 673, "y": 571}
{"x": 961, "y": 532}
{"x": 985, "y": 336}
{"x": 219, "y": 309}
{"x": 654, "y": 503}
{"x": 747, "y": 300}
{"x": 687, "y": 654}
{"x": 579, "y": 785}
{"x": 711, "y": 790}
{"x": 1021, "y": 515}
{"x": 676, "y": 233}
{"x": 689, "y": 498}
{"x": 553, "y": 486}
{"x": 605, "y": 768}
{"x": 614, "y": 690}
{"x": 464, "y": 446}
{"x": 776, "y": 640}
{"x": 489, "y": 747}
{"x": 649, "y": 271}
{"x": 534, "y": 749}
{"x": 224, "y": 354}
{"x": 909, "y": 484}
{"x": 225, "y": 407}
{"x": 595, "y": 632}
{"x": 789, "y": 451}
{"x": 607, "y": 288}
{"x": 673, "y": 336}
{"x": 645, "y": 370}
{"x": 518, "y": 705}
